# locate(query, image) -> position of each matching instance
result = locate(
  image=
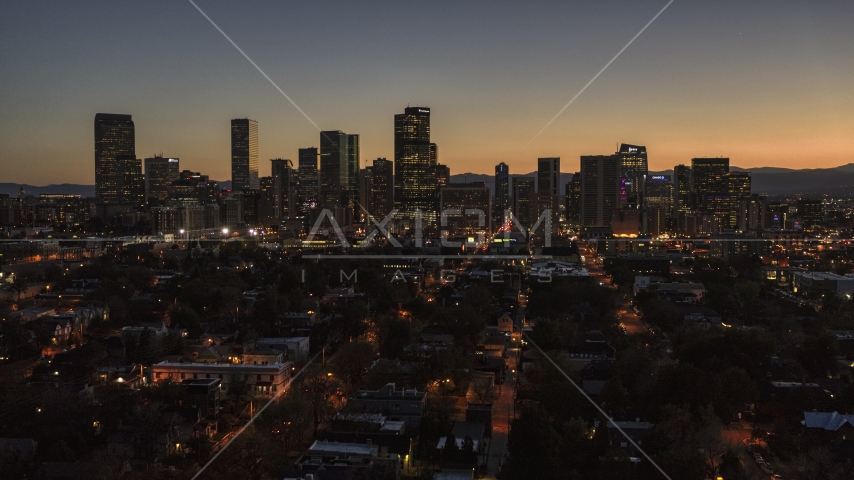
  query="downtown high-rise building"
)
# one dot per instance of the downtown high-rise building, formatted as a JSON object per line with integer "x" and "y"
{"x": 339, "y": 173}
{"x": 711, "y": 186}
{"x": 381, "y": 195}
{"x": 633, "y": 172}
{"x": 309, "y": 180}
{"x": 600, "y": 190}
{"x": 525, "y": 201}
{"x": 738, "y": 188}
{"x": 502, "y": 191}
{"x": 573, "y": 198}
{"x": 683, "y": 188}
{"x": 244, "y": 155}
{"x": 114, "y": 139}
{"x": 160, "y": 172}
{"x": 465, "y": 209}
{"x": 415, "y": 160}
{"x": 548, "y": 187}
{"x": 130, "y": 180}
{"x": 284, "y": 178}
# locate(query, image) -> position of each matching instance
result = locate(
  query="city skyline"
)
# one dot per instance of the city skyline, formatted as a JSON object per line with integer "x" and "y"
{"x": 711, "y": 80}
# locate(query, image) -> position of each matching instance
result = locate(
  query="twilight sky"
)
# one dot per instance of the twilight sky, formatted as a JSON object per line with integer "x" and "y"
{"x": 764, "y": 82}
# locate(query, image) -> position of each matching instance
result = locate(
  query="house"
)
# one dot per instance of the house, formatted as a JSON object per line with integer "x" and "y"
{"x": 829, "y": 425}
{"x": 702, "y": 316}
{"x": 297, "y": 348}
{"x": 505, "y": 323}
{"x": 636, "y": 431}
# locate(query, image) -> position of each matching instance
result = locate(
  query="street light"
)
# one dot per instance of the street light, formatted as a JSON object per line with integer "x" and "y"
{"x": 225, "y": 231}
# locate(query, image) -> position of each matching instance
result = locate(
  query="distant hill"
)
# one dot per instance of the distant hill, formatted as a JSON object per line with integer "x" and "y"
{"x": 772, "y": 181}
{"x": 69, "y": 188}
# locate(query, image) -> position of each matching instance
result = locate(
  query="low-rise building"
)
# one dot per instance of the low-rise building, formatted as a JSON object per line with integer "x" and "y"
{"x": 406, "y": 405}
{"x": 261, "y": 379}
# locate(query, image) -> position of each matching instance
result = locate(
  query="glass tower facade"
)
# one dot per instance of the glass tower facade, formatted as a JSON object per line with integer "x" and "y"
{"x": 415, "y": 182}
{"x": 308, "y": 179}
{"x": 114, "y": 138}
{"x": 633, "y": 172}
{"x": 244, "y": 155}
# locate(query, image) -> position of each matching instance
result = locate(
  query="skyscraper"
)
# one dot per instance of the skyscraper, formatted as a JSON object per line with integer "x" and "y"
{"x": 465, "y": 208}
{"x": 573, "y": 198}
{"x": 160, "y": 172}
{"x": 711, "y": 185}
{"x": 658, "y": 193}
{"x": 738, "y": 188}
{"x": 600, "y": 189}
{"x": 415, "y": 159}
{"x": 131, "y": 183}
{"x": 811, "y": 213}
{"x": 244, "y": 155}
{"x": 548, "y": 187}
{"x": 114, "y": 137}
{"x": 308, "y": 179}
{"x": 683, "y": 188}
{"x": 351, "y": 195}
{"x": 284, "y": 178}
{"x": 334, "y": 168}
{"x": 502, "y": 191}
{"x": 633, "y": 172}
{"x": 382, "y": 188}
{"x": 524, "y": 201}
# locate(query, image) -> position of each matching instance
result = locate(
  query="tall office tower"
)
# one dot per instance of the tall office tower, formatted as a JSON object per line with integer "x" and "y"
{"x": 502, "y": 190}
{"x": 309, "y": 181}
{"x": 738, "y": 185}
{"x": 415, "y": 183}
{"x": 131, "y": 183}
{"x": 711, "y": 185}
{"x": 244, "y": 155}
{"x": 524, "y": 201}
{"x": 573, "y": 198}
{"x": 351, "y": 195}
{"x": 633, "y": 172}
{"x": 114, "y": 137}
{"x": 366, "y": 181}
{"x": 548, "y": 187}
{"x": 266, "y": 202}
{"x": 811, "y": 213}
{"x": 658, "y": 193}
{"x": 160, "y": 172}
{"x": 465, "y": 209}
{"x": 683, "y": 188}
{"x": 382, "y": 188}
{"x": 334, "y": 168}
{"x": 754, "y": 209}
{"x": 600, "y": 189}
{"x": 284, "y": 194}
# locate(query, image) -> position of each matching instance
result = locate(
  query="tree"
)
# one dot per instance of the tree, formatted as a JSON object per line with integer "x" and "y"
{"x": 19, "y": 286}
{"x": 483, "y": 387}
{"x": 818, "y": 355}
{"x": 352, "y": 362}
{"x": 318, "y": 389}
{"x": 533, "y": 446}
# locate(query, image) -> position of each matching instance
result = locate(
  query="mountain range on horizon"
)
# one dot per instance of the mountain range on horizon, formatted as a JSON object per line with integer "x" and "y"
{"x": 772, "y": 181}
